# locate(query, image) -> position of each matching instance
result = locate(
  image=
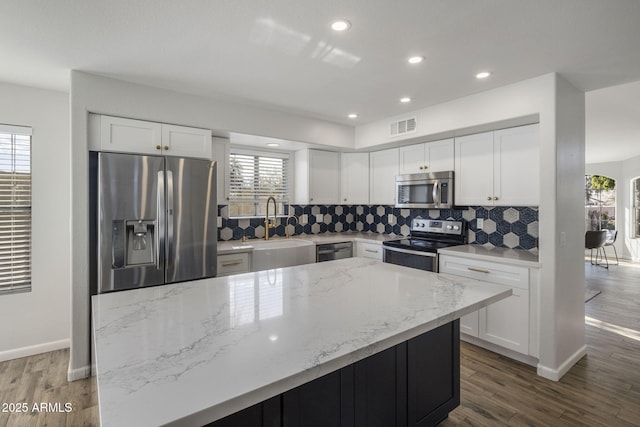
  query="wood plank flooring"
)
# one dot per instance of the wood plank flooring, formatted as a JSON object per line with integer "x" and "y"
{"x": 603, "y": 389}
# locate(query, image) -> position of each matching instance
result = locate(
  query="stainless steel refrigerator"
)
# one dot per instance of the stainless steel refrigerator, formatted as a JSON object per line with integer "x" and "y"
{"x": 156, "y": 220}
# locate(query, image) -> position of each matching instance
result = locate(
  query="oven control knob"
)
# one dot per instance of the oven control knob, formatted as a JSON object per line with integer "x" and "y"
{"x": 449, "y": 227}
{"x": 456, "y": 227}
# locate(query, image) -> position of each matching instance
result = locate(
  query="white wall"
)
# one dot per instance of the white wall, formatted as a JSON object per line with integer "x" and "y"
{"x": 38, "y": 321}
{"x": 623, "y": 172}
{"x": 521, "y": 99}
{"x": 91, "y": 93}
{"x": 560, "y": 111}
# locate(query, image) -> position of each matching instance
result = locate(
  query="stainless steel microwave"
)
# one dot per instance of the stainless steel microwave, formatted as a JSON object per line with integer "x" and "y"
{"x": 425, "y": 190}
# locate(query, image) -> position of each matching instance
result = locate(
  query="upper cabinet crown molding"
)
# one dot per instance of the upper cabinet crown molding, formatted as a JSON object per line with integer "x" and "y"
{"x": 118, "y": 134}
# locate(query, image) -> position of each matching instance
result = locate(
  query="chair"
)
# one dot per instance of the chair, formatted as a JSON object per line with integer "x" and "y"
{"x": 596, "y": 240}
{"x": 611, "y": 239}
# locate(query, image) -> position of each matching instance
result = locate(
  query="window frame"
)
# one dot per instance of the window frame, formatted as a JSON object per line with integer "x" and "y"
{"x": 9, "y": 284}
{"x": 635, "y": 207}
{"x": 283, "y": 211}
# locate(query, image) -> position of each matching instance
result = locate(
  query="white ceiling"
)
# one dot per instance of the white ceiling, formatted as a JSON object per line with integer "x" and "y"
{"x": 282, "y": 54}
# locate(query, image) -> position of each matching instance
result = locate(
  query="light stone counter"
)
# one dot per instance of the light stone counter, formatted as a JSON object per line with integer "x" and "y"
{"x": 519, "y": 257}
{"x": 237, "y": 246}
{"x": 193, "y": 352}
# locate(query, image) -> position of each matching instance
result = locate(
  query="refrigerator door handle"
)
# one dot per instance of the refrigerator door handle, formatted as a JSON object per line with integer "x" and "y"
{"x": 170, "y": 206}
{"x": 161, "y": 219}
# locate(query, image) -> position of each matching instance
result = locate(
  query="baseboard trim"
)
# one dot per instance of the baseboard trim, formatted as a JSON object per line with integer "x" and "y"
{"x": 556, "y": 374}
{"x": 79, "y": 373}
{"x": 32, "y": 350}
{"x": 529, "y": 360}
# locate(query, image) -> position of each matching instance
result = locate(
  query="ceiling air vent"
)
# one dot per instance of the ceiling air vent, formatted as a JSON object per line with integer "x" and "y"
{"x": 402, "y": 127}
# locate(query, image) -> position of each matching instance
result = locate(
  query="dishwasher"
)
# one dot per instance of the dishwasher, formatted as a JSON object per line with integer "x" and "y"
{"x": 331, "y": 251}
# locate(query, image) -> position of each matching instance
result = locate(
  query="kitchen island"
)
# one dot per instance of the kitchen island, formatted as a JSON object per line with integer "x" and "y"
{"x": 193, "y": 353}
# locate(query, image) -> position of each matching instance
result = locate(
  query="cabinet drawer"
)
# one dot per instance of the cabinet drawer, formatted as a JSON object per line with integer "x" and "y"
{"x": 509, "y": 275}
{"x": 233, "y": 263}
{"x": 370, "y": 250}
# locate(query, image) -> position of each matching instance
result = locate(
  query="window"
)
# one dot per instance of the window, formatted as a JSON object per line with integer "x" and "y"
{"x": 15, "y": 209}
{"x": 635, "y": 206}
{"x": 253, "y": 178}
{"x": 600, "y": 202}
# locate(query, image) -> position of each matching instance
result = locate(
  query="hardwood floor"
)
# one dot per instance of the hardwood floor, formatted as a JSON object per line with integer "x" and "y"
{"x": 603, "y": 389}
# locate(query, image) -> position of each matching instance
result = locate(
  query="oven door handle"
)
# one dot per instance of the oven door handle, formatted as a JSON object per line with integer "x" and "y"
{"x": 409, "y": 251}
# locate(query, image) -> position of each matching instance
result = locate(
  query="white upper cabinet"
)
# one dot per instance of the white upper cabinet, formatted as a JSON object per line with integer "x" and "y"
{"x": 141, "y": 137}
{"x": 221, "y": 157}
{"x": 354, "y": 178}
{"x": 128, "y": 135}
{"x": 434, "y": 156}
{"x": 500, "y": 168}
{"x": 474, "y": 170}
{"x": 383, "y": 168}
{"x": 517, "y": 166}
{"x": 317, "y": 177}
{"x": 186, "y": 142}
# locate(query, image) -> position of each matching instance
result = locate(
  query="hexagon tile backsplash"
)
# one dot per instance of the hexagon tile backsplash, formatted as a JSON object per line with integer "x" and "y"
{"x": 510, "y": 227}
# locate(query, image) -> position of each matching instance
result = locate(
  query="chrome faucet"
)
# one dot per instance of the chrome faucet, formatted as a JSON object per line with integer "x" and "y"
{"x": 268, "y": 224}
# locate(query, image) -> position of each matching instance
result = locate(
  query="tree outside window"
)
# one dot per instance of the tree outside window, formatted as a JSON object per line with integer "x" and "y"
{"x": 600, "y": 202}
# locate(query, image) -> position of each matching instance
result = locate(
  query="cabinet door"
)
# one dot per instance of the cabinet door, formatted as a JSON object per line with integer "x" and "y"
{"x": 440, "y": 156}
{"x": 369, "y": 250}
{"x": 517, "y": 166}
{"x": 316, "y": 403}
{"x": 469, "y": 324}
{"x": 221, "y": 156}
{"x": 474, "y": 170}
{"x": 506, "y": 322}
{"x": 130, "y": 136}
{"x": 382, "y": 173}
{"x": 186, "y": 142}
{"x": 355, "y": 178}
{"x": 433, "y": 375}
{"x": 380, "y": 389}
{"x": 413, "y": 159}
{"x": 324, "y": 177}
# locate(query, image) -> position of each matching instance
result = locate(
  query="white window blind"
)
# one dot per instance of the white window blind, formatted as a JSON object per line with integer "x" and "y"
{"x": 15, "y": 209}
{"x": 253, "y": 178}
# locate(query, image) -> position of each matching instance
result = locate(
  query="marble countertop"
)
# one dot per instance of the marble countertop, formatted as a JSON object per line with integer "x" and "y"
{"x": 504, "y": 255}
{"x": 193, "y": 352}
{"x": 237, "y": 246}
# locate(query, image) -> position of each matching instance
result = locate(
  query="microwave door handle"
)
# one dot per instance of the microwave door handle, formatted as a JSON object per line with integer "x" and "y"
{"x": 436, "y": 193}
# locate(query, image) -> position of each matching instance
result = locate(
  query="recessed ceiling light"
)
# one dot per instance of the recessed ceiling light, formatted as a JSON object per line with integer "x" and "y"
{"x": 340, "y": 25}
{"x": 483, "y": 75}
{"x": 415, "y": 59}
{"x": 405, "y": 99}
{"x": 353, "y": 116}
{"x": 273, "y": 144}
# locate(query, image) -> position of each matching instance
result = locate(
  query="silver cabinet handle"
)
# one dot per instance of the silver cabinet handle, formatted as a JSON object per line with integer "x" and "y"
{"x": 371, "y": 250}
{"x": 479, "y": 270}
{"x": 229, "y": 263}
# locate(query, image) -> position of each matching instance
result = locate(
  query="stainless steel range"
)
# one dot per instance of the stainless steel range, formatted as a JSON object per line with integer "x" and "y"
{"x": 420, "y": 250}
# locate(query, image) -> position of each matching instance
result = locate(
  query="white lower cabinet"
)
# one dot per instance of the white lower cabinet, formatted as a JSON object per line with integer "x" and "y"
{"x": 233, "y": 263}
{"x": 369, "y": 250}
{"x": 507, "y": 323}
